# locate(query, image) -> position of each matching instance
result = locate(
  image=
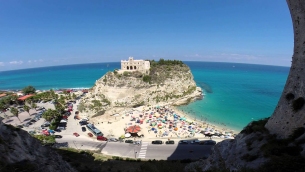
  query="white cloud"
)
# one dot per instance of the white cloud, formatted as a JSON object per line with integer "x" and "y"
{"x": 1, "y": 64}
{"x": 16, "y": 62}
{"x": 35, "y": 61}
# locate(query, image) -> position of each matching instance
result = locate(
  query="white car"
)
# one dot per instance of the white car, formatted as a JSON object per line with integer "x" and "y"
{"x": 195, "y": 142}
{"x": 84, "y": 119}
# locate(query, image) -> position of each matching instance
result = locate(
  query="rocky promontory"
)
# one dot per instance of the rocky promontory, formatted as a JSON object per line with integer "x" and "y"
{"x": 170, "y": 83}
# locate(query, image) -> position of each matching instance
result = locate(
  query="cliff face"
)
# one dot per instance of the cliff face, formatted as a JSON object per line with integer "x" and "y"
{"x": 279, "y": 143}
{"x": 289, "y": 113}
{"x": 171, "y": 84}
{"x": 22, "y": 152}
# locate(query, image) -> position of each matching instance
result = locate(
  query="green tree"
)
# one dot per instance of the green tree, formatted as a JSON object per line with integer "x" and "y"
{"x": 34, "y": 105}
{"x": 3, "y": 107}
{"x": 27, "y": 108}
{"x": 50, "y": 114}
{"x": 52, "y": 93}
{"x": 29, "y": 90}
{"x": 74, "y": 96}
{"x": 65, "y": 92}
{"x": 14, "y": 99}
{"x": 15, "y": 112}
{"x": 60, "y": 108}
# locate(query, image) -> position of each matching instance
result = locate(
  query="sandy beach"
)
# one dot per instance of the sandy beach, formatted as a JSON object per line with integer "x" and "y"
{"x": 157, "y": 122}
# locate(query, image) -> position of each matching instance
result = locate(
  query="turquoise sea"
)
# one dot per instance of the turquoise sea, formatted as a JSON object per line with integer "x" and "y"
{"x": 235, "y": 94}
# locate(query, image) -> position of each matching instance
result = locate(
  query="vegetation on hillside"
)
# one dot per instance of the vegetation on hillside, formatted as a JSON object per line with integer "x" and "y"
{"x": 29, "y": 90}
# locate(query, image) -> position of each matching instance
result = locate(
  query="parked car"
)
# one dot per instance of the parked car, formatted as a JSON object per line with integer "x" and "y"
{"x": 169, "y": 142}
{"x": 76, "y": 134}
{"x": 45, "y": 125}
{"x": 195, "y": 142}
{"x": 83, "y": 122}
{"x": 112, "y": 140}
{"x": 128, "y": 141}
{"x": 76, "y": 112}
{"x": 137, "y": 142}
{"x": 157, "y": 142}
{"x": 63, "y": 121}
{"x": 19, "y": 126}
{"x": 57, "y": 130}
{"x": 58, "y": 136}
{"x": 101, "y": 138}
{"x": 183, "y": 142}
{"x": 33, "y": 120}
{"x": 90, "y": 134}
{"x": 61, "y": 128}
{"x": 85, "y": 119}
{"x": 84, "y": 129}
{"x": 208, "y": 142}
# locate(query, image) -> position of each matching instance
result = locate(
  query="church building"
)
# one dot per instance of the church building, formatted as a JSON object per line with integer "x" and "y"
{"x": 135, "y": 65}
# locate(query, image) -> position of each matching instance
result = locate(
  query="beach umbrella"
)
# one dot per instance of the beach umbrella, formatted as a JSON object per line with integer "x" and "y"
{"x": 133, "y": 129}
{"x": 156, "y": 131}
{"x": 153, "y": 129}
{"x": 51, "y": 131}
{"x": 176, "y": 129}
{"x": 127, "y": 135}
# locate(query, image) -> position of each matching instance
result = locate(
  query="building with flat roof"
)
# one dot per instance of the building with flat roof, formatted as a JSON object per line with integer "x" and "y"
{"x": 135, "y": 65}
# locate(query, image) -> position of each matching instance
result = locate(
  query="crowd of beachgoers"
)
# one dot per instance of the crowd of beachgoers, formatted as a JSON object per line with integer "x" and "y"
{"x": 160, "y": 122}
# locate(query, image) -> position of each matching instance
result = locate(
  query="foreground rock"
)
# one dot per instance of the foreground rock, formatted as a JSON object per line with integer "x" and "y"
{"x": 277, "y": 144}
{"x": 22, "y": 152}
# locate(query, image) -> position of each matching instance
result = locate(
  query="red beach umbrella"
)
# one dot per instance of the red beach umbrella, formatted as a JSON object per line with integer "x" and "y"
{"x": 133, "y": 129}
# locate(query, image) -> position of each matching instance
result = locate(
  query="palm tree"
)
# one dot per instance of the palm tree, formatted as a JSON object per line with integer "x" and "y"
{"x": 60, "y": 108}
{"x": 26, "y": 108}
{"x": 2, "y": 108}
{"x": 34, "y": 106}
{"x": 15, "y": 112}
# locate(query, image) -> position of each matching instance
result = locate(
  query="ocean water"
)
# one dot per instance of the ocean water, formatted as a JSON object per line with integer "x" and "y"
{"x": 235, "y": 94}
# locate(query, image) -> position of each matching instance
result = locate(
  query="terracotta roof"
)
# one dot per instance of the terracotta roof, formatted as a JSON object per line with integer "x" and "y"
{"x": 24, "y": 97}
{"x": 85, "y": 91}
{"x": 2, "y": 95}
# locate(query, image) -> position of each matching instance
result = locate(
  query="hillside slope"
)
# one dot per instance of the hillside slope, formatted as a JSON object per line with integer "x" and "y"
{"x": 22, "y": 152}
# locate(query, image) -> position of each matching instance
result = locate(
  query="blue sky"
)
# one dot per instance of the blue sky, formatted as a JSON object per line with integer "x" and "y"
{"x": 37, "y": 33}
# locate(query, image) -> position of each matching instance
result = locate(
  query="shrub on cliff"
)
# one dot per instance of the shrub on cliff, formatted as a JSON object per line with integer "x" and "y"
{"x": 126, "y": 73}
{"x": 256, "y": 126}
{"x": 146, "y": 78}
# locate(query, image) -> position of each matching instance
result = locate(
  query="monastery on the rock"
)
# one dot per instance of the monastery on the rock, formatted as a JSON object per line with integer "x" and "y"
{"x": 135, "y": 65}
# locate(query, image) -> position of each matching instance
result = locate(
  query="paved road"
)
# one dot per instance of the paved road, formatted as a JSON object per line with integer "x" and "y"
{"x": 150, "y": 151}
{"x": 145, "y": 151}
{"x": 177, "y": 151}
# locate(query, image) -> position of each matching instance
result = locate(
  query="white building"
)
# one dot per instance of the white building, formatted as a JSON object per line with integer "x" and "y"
{"x": 135, "y": 65}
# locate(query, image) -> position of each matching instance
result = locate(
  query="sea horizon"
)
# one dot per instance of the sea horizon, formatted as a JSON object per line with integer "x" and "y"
{"x": 142, "y": 59}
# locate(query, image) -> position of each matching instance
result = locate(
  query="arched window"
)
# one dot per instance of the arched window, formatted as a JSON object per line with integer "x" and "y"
{"x": 130, "y": 67}
{"x": 135, "y": 67}
{"x": 127, "y": 67}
